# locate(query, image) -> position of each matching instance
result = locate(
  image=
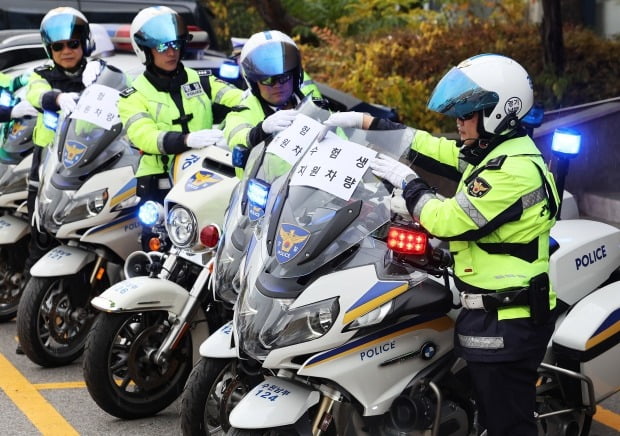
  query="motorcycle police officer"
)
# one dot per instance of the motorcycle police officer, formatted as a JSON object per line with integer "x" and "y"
{"x": 497, "y": 225}
{"x": 169, "y": 108}
{"x": 271, "y": 65}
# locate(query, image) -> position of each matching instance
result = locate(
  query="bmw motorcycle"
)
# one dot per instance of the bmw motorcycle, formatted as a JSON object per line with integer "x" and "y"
{"x": 87, "y": 202}
{"x": 346, "y": 314}
{"x": 15, "y": 161}
{"x": 144, "y": 342}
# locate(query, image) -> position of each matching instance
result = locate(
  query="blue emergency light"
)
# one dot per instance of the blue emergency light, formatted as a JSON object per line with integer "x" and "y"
{"x": 566, "y": 143}
{"x": 151, "y": 213}
{"x": 258, "y": 191}
{"x": 50, "y": 120}
{"x": 229, "y": 70}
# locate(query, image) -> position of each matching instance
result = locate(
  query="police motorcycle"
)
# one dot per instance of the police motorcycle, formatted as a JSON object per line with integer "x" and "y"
{"x": 141, "y": 347}
{"x": 348, "y": 308}
{"x": 15, "y": 161}
{"x": 87, "y": 202}
{"x": 145, "y": 340}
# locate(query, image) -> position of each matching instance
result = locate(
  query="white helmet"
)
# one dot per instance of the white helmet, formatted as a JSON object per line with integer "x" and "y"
{"x": 64, "y": 23}
{"x": 154, "y": 26}
{"x": 494, "y": 84}
{"x": 270, "y": 53}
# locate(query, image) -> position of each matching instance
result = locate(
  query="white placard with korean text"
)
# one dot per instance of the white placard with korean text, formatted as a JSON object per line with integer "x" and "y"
{"x": 97, "y": 105}
{"x": 333, "y": 165}
{"x": 291, "y": 143}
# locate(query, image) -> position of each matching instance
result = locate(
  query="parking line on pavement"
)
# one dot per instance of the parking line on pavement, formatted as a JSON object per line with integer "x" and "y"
{"x": 32, "y": 404}
{"x": 607, "y": 417}
{"x": 60, "y": 385}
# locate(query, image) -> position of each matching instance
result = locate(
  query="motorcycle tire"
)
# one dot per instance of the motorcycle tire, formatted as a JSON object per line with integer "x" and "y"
{"x": 54, "y": 317}
{"x": 209, "y": 395}
{"x": 12, "y": 260}
{"x": 118, "y": 372}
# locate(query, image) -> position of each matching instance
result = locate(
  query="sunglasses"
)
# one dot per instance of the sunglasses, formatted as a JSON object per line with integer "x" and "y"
{"x": 280, "y": 78}
{"x": 72, "y": 44}
{"x": 174, "y": 45}
{"x": 466, "y": 117}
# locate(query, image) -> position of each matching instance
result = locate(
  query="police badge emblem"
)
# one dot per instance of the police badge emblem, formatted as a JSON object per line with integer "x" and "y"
{"x": 478, "y": 187}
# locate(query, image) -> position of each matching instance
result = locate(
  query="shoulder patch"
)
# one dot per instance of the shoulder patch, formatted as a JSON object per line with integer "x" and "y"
{"x": 496, "y": 163}
{"x": 478, "y": 187}
{"x": 205, "y": 72}
{"x": 127, "y": 92}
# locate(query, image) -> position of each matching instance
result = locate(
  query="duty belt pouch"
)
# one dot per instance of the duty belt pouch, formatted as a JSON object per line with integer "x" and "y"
{"x": 539, "y": 299}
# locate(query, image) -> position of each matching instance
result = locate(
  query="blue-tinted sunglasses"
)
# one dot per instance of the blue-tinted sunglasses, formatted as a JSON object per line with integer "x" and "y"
{"x": 174, "y": 45}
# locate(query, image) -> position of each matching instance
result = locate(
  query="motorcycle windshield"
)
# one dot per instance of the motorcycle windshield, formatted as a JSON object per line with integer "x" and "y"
{"x": 329, "y": 207}
{"x": 87, "y": 142}
{"x": 90, "y": 141}
{"x": 241, "y": 219}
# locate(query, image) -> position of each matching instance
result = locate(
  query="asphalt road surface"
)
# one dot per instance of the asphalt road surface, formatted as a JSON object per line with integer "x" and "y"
{"x": 54, "y": 401}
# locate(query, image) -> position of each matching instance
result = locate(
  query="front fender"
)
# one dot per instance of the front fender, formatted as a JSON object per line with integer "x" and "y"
{"x": 12, "y": 229}
{"x": 275, "y": 402}
{"x": 62, "y": 261}
{"x": 138, "y": 294}
{"x": 218, "y": 345}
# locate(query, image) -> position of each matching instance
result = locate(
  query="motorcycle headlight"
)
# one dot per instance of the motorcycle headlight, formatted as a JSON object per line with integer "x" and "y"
{"x": 301, "y": 324}
{"x": 182, "y": 227}
{"x": 82, "y": 207}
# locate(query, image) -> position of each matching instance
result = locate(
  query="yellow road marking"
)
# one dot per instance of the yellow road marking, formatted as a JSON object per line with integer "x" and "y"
{"x": 32, "y": 404}
{"x": 607, "y": 417}
{"x": 60, "y": 385}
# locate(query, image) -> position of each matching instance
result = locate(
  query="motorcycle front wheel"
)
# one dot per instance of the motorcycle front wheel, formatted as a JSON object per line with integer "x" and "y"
{"x": 212, "y": 390}
{"x": 119, "y": 371}
{"x": 54, "y": 317}
{"x": 12, "y": 259}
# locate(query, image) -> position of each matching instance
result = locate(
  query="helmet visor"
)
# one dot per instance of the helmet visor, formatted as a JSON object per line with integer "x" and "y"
{"x": 270, "y": 60}
{"x": 457, "y": 95}
{"x": 61, "y": 27}
{"x": 161, "y": 29}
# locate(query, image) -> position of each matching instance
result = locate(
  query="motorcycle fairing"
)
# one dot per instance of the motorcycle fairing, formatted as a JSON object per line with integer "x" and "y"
{"x": 578, "y": 266}
{"x": 275, "y": 402}
{"x": 378, "y": 294}
{"x": 394, "y": 355}
{"x": 589, "y": 337}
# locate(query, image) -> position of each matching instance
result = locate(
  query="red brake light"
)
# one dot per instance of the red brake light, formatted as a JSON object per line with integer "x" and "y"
{"x": 407, "y": 241}
{"x": 210, "y": 236}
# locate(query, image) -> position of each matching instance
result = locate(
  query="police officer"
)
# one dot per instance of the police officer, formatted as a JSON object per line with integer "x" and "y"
{"x": 271, "y": 65}
{"x": 170, "y": 108}
{"x": 498, "y": 226}
{"x": 53, "y": 87}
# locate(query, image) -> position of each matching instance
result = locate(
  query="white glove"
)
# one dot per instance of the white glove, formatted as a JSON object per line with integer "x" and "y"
{"x": 279, "y": 121}
{"x": 91, "y": 72}
{"x": 345, "y": 119}
{"x": 67, "y": 101}
{"x": 398, "y": 174}
{"x": 204, "y": 138}
{"x": 23, "y": 109}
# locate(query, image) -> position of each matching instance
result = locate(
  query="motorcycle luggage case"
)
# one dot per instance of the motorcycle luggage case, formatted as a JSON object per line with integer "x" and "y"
{"x": 589, "y": 251}
{"x": 588, "y": 340}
